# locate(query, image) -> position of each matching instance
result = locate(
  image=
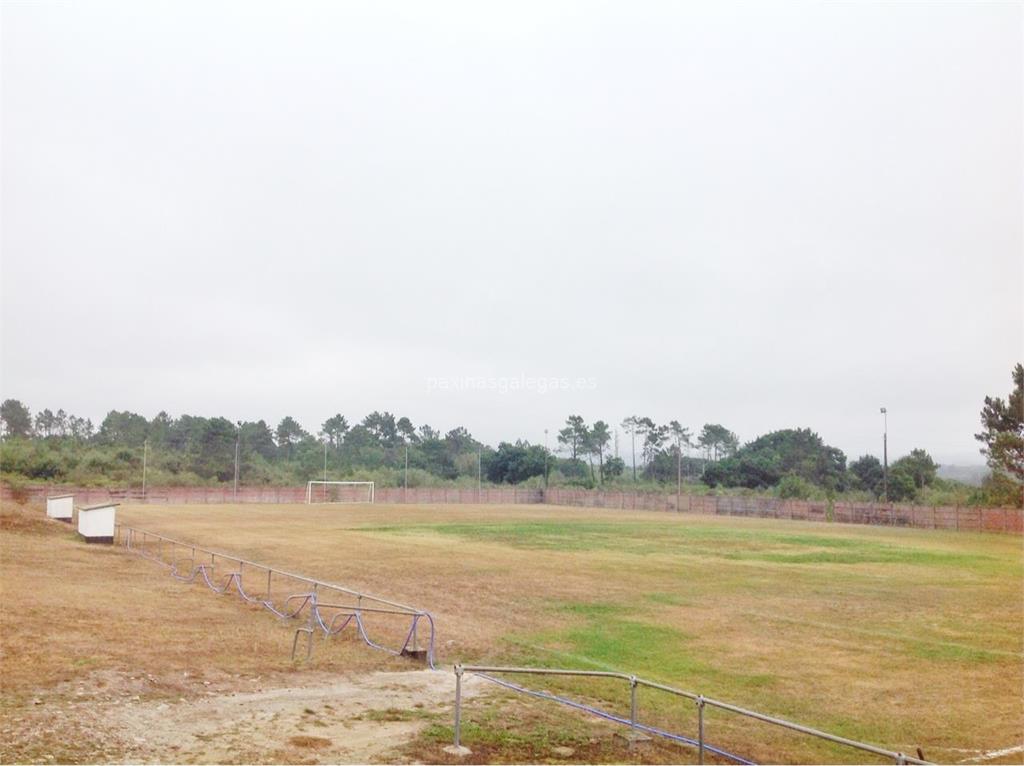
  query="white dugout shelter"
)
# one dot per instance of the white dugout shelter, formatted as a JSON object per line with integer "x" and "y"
{"x": 61, "y": 507}
{"x": 96, "y": 522}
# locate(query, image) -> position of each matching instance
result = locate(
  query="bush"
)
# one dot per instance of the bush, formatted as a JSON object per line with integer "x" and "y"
{"x": 795, "y": 488}
{"x": 18, "y": 487}
{"x": 902, "y": 488}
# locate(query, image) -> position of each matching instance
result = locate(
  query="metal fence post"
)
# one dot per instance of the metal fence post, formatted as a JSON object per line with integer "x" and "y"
{"x": 458, "y": 705}
{"x": 700, "y": 729}
{"x": 632, "y": 711}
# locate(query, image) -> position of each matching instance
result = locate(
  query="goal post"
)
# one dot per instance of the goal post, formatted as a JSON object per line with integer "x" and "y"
{"x": 339, "y": 492}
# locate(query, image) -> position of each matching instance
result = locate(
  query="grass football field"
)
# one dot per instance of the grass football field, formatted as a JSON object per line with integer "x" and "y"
{"x": 903, "y": 638}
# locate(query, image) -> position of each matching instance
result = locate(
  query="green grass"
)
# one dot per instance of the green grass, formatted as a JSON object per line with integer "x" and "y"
{"x": 666, "y": 599}
{"x": 602, "y": 639}
{"x": 698, "y": 541}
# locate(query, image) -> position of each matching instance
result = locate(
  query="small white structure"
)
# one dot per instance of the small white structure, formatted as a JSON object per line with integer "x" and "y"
{"x": 96, "y": 522}
{"x": 61, "y": 507}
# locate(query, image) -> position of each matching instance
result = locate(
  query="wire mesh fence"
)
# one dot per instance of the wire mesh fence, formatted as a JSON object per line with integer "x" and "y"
{"x": 952, "y": 518}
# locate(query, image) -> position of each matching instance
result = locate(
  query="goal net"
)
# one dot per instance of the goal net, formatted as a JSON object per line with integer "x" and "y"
{"x": 339, "y": 492}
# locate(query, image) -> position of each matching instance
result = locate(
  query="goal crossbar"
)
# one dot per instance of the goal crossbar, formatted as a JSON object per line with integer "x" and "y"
{"x": 341, "y": 494}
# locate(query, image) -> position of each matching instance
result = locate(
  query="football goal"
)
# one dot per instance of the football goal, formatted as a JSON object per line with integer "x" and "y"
{"x": 339, "y": 492}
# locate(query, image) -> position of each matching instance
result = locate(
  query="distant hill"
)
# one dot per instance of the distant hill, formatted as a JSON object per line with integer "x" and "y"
{"x": 968, "y": 474}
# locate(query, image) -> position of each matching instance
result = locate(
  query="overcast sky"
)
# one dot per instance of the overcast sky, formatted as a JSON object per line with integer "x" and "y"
{"x": 763, "y": 216}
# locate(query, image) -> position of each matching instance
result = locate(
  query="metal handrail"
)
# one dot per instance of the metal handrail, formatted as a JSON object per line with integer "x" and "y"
{"x": 138, "y": 539}
{"x": 405, "y": 608}
{"x": 701, "y": 700}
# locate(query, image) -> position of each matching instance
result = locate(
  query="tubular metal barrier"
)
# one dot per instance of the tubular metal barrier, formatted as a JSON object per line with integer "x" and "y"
{"x": 201, "y": 563}
{"x": 633, "y": 722}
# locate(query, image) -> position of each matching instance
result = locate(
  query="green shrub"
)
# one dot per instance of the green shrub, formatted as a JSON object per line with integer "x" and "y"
{"x": 793, "y": 487}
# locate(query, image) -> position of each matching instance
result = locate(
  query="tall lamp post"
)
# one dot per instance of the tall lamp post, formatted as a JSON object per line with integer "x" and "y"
{"x": 238, "y": 446}
{"x": 885, "y": 454}
{"x": 545, "y": 459}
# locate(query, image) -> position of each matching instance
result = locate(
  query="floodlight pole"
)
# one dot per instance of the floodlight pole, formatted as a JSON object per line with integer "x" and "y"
{"x": 679, "y": 474}
{"x": 325, "y": 470}
{"x": 885, "y": 453}
{"x": 632, "y": 435}
{"x": 479, "y": 472}
{"x": 405, "y": 492}
{"x": 545, "y": 459}
{"x": 145, "y": 448}
{"x": 238, "y": 439}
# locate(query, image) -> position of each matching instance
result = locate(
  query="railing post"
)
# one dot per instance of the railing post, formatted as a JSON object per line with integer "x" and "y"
{"x": 458, "y": 705}
{"x": 700, "y": 729}
{"x": 632, "y": 711}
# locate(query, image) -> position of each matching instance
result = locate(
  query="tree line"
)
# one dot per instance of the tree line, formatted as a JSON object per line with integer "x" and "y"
{"x": 193, "y": 449}
{"x": 189, "y": 449}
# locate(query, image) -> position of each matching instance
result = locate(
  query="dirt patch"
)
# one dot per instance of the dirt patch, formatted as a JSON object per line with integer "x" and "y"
{"x": 317, "y": 743}
{"x": 335, "y": 722}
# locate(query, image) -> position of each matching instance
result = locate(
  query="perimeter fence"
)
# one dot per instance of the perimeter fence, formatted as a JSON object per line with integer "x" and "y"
{"x": 953, "y": 518}
{"x": 956, "y": 518}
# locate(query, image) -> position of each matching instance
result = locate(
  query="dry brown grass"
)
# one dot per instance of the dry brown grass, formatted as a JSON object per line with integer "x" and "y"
{"x": 82, "y": 624}
{"x": 896, "y": 636}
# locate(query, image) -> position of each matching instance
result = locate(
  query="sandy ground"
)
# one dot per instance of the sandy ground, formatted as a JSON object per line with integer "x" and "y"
{"x": 360, "y": 719}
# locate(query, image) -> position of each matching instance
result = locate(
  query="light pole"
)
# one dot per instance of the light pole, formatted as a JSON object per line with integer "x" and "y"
{"x": 479, "y": 471}
{"x": 238, "y": 441}
{"x": 145, "y": 448}
{"x": 405, "y": 491}
{"x": 679, "y": 472}
{"x": 545, "y": 459}
{"x": 885, "y": 454}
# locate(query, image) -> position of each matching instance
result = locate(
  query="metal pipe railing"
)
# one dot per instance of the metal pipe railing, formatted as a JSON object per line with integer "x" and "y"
{"x": 132, "y": 531}
{"x": 701, "y": 701}
{"x": 141, "y": 541}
